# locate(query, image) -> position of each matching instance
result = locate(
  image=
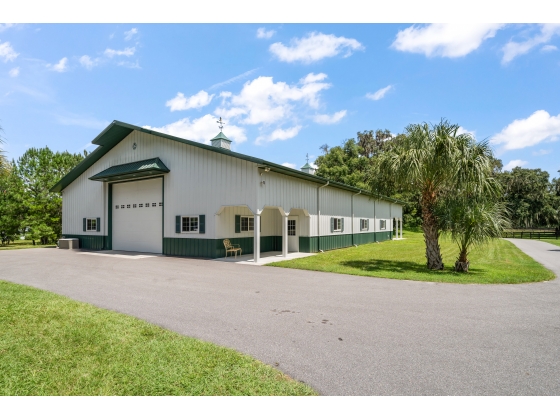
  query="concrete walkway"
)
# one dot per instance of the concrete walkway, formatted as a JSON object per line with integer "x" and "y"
{"x": 343, "y": 335}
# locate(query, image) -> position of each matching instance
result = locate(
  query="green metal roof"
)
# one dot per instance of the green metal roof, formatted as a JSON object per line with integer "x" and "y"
{"x": 221, "y": 136}
{"x": 141, "y": 168}
{"x": 307, "y": 166}
{"x": 117, "y": 131}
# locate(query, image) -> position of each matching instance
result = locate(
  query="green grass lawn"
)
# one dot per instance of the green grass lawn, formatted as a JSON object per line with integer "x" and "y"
{"x": 24, "y": 244}
{"x": 52, "y": 345}
{"x": 498, "y": 262}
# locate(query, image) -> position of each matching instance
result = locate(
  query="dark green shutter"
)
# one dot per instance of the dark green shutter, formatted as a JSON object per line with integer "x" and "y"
{"x": 99, "y": 224}
{"x": 237, "y": 223}
{"x": 342, "y": 224}
{"x": 177, "y": 224}
{"x": 332, "y": 224}
{"x": 202, "y": 223}
{"x": 85, "y": 224}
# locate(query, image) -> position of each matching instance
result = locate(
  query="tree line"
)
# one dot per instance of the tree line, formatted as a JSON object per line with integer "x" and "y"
{"x": 451, "y": 183}
{"x": 27, "y": 207}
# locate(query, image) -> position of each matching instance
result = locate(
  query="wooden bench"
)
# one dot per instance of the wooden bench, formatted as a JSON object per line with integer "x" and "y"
{"x": 232, "y": 248}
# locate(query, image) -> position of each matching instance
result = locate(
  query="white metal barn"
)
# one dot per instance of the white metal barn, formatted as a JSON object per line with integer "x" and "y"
{"x": 145, "y": 191}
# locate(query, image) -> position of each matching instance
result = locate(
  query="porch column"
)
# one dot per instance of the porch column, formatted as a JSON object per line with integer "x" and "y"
{"x": 257, "y": 241}
{"x": 401, "y": 227}
{"x": 285, "y": 235}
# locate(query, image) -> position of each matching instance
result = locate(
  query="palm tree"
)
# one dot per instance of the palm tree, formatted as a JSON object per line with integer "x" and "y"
{"x": 438, "y": 162}
{"x": 473, "y": 221}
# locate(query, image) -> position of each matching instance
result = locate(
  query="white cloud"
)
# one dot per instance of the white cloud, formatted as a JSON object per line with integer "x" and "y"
{"x": 513, "y": 49}
{"x": 60, "y": 67}
{"x": 379, "y": 94}
{"x": 280, "y": 134}
{"x": 542, "y": 152}
{"x": 312, "y": 77}
{"x": 182, "y": 103}
{"x": 330, "y": 119}
{"x": 128, "y": 52}
{"x": 7, "y": 53}
{"x": 537, "y": 128}
{"x": 233, "y": 79}
{"x": 129, "y": 64}
{"x": 87, "y": 62}
{"x": 314, "y": 47}
{"x": 289, "y": 165}
{"x": 128, "y": 35}
{"x": 201, "y": 129}
{"x": 14, "y": 72}
{"x": 514, "y": 163}
{"x": 549, "y": 48}
{"x": 261, "y": 101}
{"x": 444, "y": 39}
{"x": 4, "y": 26}
{"x": 263, "y": 33}
{"x": 463, "y": 130}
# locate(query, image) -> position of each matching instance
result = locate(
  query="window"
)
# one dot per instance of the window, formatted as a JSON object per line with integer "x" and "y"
{"x": 147, "y": 204}
{"x": 337, "y": 224}
{"x": 364, "y": 224}
{"x": 153, "y": 204}
{"x": 122, "y": 206}
{"x": 382, "y": 224}
{"x": 128, "y": 206}
{"x": 189, "y": 224}
{"x": 91, "y": 225}
{"x": 117, "y": 207}
{"x": 140, "y": 205}
{"x": 161, "y": 204}
{"x": 134, "y": 206}
{"x": 291, "y": 228}
{"x": 247, "y": 224}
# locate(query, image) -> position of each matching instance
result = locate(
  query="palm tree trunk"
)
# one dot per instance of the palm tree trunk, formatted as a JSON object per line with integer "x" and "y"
{"x": 462, "y": 263}
{"x": 434, "y": 259}
{"x": 433, "y": 252}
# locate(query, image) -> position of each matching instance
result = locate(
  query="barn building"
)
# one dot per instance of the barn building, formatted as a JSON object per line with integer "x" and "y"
{"x": 145, "y": 191}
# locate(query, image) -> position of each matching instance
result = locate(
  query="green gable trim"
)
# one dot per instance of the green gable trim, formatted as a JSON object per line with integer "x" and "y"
{"x": 117, "y": 131}
{"x": 141, "y": 168}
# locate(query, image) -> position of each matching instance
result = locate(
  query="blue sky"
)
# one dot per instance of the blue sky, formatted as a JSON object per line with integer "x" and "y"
{"x": 283, "y": 90}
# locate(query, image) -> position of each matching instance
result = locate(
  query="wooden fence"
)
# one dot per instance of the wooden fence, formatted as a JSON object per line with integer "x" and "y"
{"x": 532, "y": 233}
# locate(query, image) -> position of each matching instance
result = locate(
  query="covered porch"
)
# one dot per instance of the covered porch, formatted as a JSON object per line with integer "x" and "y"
{"x": 272, "y": 231}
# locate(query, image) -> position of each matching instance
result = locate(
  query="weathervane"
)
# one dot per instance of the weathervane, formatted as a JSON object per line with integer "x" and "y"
{"x": 307, "y": 158}
{"x": 220, "y": 123}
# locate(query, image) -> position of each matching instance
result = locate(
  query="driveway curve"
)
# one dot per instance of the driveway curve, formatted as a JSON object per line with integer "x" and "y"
{"x": 343, "y": 335}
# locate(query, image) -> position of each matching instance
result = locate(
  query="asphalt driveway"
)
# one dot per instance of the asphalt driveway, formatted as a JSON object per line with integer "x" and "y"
{"x": 343, "y": 335}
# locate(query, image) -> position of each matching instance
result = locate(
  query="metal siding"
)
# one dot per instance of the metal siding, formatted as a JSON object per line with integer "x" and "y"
{"x": 201, "y": 181}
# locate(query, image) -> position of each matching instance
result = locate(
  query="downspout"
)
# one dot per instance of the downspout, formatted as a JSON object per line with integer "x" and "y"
{"x": 352, "y": 207}
{"x": 319, "y": 215}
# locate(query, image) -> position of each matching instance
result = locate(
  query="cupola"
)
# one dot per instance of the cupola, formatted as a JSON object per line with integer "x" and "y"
{"x": 221, "y": 140}
{"x": 307, "y": 168}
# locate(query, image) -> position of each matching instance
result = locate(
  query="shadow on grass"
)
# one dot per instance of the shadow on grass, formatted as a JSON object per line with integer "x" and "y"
{"x": 374, "y": 266}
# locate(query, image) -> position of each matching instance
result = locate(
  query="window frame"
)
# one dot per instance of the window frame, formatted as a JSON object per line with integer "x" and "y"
{"x": 337, "y": 224}
{"x": 382, "y": 224}
{"x": 249, "y": 227}
{"x": 189, "y": 230}
{"x": 364, "y": 224}
{"x": 91, "y": 221}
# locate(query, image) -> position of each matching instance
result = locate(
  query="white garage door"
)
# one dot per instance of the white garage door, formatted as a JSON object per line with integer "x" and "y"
{"x": 137, "y": 222}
